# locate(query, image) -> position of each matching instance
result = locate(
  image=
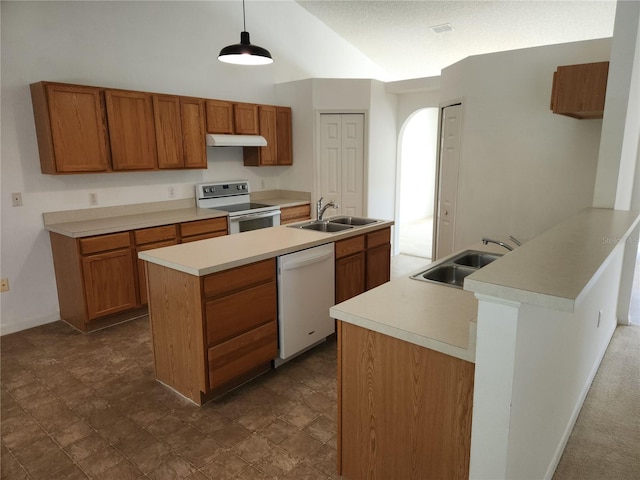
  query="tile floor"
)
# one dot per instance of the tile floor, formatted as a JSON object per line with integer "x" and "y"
{"x": 78, "y": 406}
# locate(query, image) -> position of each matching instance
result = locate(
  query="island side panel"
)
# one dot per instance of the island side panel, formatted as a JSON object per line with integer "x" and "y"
{"x": 175, "y": 314}
{"x": 405, "y": 411}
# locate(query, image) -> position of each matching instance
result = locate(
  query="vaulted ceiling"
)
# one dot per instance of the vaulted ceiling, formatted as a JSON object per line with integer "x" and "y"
{"x": 397, "y": 35}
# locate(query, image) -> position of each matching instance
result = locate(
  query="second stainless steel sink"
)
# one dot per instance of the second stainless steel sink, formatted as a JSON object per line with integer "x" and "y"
{"x": 323, "y": 226}
{"x": 358, "y": 221}
{"x": 453, "y": 271}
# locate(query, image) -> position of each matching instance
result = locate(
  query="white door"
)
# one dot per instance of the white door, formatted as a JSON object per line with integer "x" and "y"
{"x": 449, "y": 160}
{"x": 342, "y": 162}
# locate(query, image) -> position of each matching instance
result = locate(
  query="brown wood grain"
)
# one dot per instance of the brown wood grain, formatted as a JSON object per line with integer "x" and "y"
{"x": 378, "y": 268}
{"x": 294, "y": 214}
{"x": 239, "y": 278}
{"x": 579, "y": 90}
{"x": 349, "y": 246}
{"x": 350, "y": 276}
{"x": 193, "y": 132}
{"x": 155, "y": 234}
{"x": 219, "y": 116}
{"x": 175, "y": 314}
{"x": 379, "y": 237}
{"x": 246, "y": 119}
{"x": 284, "y": 136}
{"x": 405, "y": 410}
{"x": 141, "y": 272}
{"x": 200, "y": 227}
{"x": 168, "y": 131}
{"x": 103, "y": 243}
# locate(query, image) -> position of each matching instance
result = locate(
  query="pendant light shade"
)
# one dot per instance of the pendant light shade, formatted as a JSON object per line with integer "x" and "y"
{"x": 244, "y": 53}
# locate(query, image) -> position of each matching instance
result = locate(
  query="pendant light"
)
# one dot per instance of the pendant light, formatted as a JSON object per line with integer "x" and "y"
{"x": 244, "y": 53}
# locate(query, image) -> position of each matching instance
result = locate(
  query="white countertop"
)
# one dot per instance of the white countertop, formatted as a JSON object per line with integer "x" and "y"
{"x": 555, "y": 269}
{"x": 221, "y": 253}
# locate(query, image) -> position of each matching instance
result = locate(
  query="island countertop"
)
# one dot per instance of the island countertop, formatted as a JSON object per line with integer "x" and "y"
{"x": 221, "y": 253}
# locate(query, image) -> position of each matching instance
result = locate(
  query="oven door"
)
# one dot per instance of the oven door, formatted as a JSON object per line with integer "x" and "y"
{"x": 253, "y": 221}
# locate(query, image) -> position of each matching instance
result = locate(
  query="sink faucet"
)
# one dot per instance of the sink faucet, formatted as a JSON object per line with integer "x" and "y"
{"x": 320, "y": 209}
{"x": 486, "y": 240}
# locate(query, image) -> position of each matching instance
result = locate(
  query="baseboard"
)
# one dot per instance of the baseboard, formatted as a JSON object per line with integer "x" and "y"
{"x": 14, "y": 327}
{"x": 576, "y": 411}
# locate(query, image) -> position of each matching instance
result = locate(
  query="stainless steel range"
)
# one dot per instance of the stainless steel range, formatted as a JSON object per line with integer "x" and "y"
{"x": 234, "y": 197}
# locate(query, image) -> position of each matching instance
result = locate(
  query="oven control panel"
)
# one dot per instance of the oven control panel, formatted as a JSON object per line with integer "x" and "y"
{"x": 217, "y": 190}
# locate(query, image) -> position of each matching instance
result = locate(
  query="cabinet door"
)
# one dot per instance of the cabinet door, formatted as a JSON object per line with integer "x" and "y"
{"x": 378, "y": 266}
{"x": 71, "y": 128}
{"x": 579, "y": 90}
{"x": 245, "y": 117}
{"x": 109, "y": 280}
{"x": 284, "y": 136}
{"x": 294, "y": 214}
{"x": 193, "y": 132}
{"x": 219, "y": 116}
{"x": 268, "y": 154}
{"x": 168, "y": 128}
{"x": 131, "y": 130}
{"x": 350, "y": 276}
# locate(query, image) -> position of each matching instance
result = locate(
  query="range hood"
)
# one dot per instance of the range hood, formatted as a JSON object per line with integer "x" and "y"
{"x": 216, "y": 140}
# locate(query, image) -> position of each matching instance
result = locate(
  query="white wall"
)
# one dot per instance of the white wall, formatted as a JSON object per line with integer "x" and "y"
{"x": 168, "y": 47}
{"x": 522, "y": 168}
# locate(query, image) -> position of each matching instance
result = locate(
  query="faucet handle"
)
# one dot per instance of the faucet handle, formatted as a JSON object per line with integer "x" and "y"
{"x": 319, "y": 202}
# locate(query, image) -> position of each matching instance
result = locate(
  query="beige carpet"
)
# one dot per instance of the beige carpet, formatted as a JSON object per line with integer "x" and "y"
{"x": 605, "y": 442}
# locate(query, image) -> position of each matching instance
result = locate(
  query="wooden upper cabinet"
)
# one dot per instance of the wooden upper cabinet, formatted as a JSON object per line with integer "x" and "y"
{"x": 193, "y": 132}
{"x": 180, "y": 131}
{"x": 579, "y": 90}
{"x": 70, "y": 127}
{"x": 284, "y": 135}
{"x": 275, "y": 126}
{"x": 245, "y": 119}
{"x": 168, "y": 128}
{"x": 131, "y": 130}
{"x": 219, "y": 116}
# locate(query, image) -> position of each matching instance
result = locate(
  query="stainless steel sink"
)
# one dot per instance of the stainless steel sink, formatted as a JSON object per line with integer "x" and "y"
{"x": 476, "y": 259}
{"x": 357, "y": 221}
{"x": 323, "y": 226}
{"x": 449, "y": 274}
{"x": 453, "y": 271}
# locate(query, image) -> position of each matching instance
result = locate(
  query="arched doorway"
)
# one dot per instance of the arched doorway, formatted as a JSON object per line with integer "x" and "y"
{"x": 416, "y": 187}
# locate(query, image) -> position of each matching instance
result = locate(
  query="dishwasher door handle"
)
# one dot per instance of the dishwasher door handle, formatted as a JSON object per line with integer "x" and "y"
{"x": 303, "y": 262}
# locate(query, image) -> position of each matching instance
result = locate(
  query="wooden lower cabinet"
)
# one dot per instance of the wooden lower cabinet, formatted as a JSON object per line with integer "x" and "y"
{"x": 404, "y": 411}
{"x": 362, "y": 263}
{"x": 100, "y": 279}
{"x": 215, "y": 332}
{"x": 294, "y": 214}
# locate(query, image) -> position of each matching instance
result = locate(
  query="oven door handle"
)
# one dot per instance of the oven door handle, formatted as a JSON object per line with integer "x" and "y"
{"x": 249, "y": 216}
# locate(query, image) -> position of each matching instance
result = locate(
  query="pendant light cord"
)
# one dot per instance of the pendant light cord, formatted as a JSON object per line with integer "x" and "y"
{"x": 244, "y": 21}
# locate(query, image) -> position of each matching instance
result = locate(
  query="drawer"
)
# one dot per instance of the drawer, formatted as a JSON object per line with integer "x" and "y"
{"x": 203, "y": 236}
{"x": 223, "y": 283}
{"x": 154, "y": 234}
{"x": 293, "y": 214}
{"x": 103, "y": 243}
{"x": 349, "y": 246}
{"x": 199, "y": 227}
{"x": 379, "y": 237}
{"x": 240, "y": 312}
{"x": 242, "y": 354}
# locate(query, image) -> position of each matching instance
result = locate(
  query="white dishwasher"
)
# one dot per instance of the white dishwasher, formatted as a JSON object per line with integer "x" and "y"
{"x": 306, "y": 292}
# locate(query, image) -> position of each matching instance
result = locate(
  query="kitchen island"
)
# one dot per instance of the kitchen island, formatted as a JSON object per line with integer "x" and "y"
{"x": 546, "y": 312}
{"x": 213, "y": 303}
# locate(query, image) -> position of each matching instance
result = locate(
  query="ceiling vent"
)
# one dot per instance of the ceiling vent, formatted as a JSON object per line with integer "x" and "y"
{"x": 445, "y": 27}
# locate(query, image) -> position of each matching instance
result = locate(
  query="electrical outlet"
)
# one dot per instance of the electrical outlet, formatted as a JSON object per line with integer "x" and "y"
{"x": 93, "y": 198}
{"x": 16, "y": 199}
{"x": 172, "y": 192}
{"x": 4, "y": 285}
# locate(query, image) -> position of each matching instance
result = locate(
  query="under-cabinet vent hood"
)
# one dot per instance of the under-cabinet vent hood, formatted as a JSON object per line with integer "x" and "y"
{"x": 215, "y": 140}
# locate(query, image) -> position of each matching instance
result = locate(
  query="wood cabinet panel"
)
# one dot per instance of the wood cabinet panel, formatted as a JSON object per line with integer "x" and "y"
{"x": 103, "y": 243}
{"x": 234, "y": 314}
{"x": 203, "y": 227}
{"x": 350, "y": 246}
{"x": 109, "y": 281}
{"x": 240, "y": 355}
{"x": 417, "y": 404}
{"x": 71, "y": 128}
{"x": 267, "y": 119}
{"x": 229, "y": 281}
{"x": 219, "y": 116}
{"x": 202, "y": 236}
{"x": 294, "y": 214}
{"x": 154, "y": 234}
{"x": 245, "y": 119}
{"x": 579, "y": 90}
{"x": 379, "y": 237}
{"x": 131, "y": 130}
{"x": 141, "y": 271}
{"x": 168, "y": 131}
{"x": 378, "y": 268}
{"x": 350, "y": 276}
{"x": 284, "y": 135}
{"x": 193, "y": 132}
